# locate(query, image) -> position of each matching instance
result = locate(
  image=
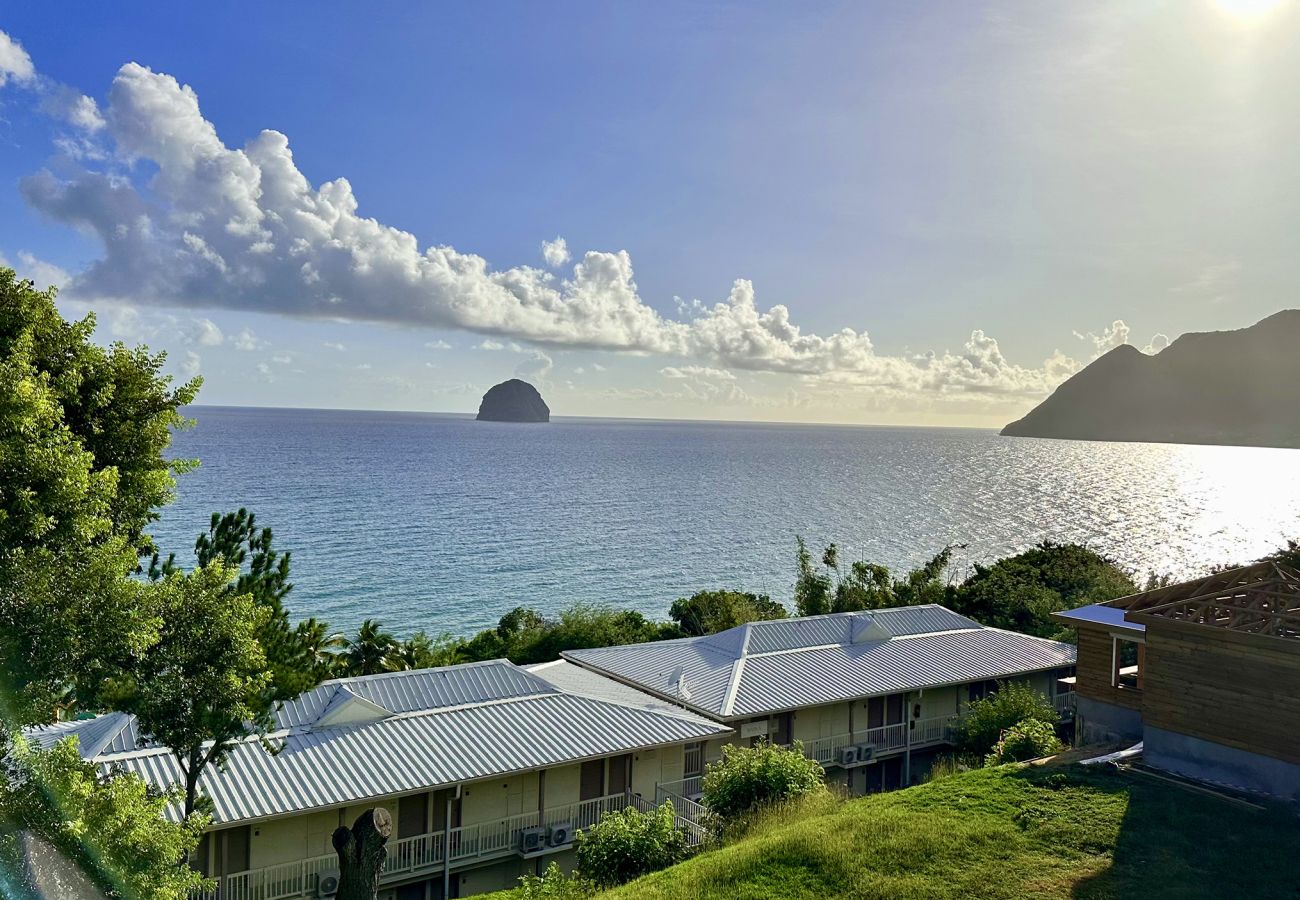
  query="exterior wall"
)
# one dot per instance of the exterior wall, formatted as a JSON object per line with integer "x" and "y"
{"x": 285, "y": 840}
{"x": 649, "y": 767}
{"x": 1207, "y": 761}
{"x": 1096, "y": 656}
{"x": 1223, "y": 687}
{"x": 1099, "y": 722}
{"x": 487, "y": 801}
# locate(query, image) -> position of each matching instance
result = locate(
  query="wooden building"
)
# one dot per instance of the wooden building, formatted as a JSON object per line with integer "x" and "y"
{"x": 1206, "y": 673}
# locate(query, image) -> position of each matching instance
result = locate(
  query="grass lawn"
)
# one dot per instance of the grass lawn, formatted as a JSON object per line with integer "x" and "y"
{"x": 1009, "y": 832}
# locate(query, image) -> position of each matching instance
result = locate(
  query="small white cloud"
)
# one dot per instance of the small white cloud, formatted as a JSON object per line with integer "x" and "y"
{"x": 437, "y": 345}
{"x": 556, "y": 252}
{"x": 191, "y": 364}
{"x": 205, "y": 333}
{"x": 334, "y": 345}
{"x": 43, "y": 274}
{"x": 598, "y": 367}
{"x": 1158, "y": 342}
{"x": 71, "y": 106}
{"x": 538, "y": 366}
{"x": 282, "y": 359}
{"x": 579, "y": 371}
{"x": 1111, "y": 337}
{"x": 247, "y": 341}
{"x": 14, "y": 62}
{"x": 489, "y": 344}
{"x": 363, "y": 367}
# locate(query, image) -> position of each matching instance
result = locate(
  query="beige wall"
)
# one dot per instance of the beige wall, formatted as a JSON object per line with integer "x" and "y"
{"x": 486, "y": 801}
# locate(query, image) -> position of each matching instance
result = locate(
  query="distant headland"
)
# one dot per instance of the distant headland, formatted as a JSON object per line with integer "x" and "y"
{"x": 513, "y": 401}
{"x": 1219, "y": 387}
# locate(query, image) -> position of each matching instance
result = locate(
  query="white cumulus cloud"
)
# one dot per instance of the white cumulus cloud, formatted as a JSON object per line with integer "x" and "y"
{"x": 15, "y": 64}
{"x": 556, "y": 252}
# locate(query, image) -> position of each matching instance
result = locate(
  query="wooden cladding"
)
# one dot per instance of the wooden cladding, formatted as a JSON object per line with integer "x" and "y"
{"x": 1244, "y": 695}
{"x": 1094, "y": 670}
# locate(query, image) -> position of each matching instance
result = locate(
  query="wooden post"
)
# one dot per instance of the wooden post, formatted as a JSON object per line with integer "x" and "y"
{"x": 362, "y": 850}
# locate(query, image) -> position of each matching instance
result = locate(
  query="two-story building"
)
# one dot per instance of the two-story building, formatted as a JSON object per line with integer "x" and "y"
{"x": 1205, "y": 673}
{"x": 488, "y": 770}
{"x": 870, "y": 695}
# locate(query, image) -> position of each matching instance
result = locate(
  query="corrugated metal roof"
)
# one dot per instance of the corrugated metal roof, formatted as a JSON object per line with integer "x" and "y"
{"x": 572, "y": 679}
{"x": 471, "y": 733}
{"x": 110, "y": 733}
{"x": 824, "y": 659}
{"x": 1099, "y": 614}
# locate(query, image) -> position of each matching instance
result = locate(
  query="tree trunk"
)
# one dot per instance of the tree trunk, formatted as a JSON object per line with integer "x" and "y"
{"x": 362, "y": 852}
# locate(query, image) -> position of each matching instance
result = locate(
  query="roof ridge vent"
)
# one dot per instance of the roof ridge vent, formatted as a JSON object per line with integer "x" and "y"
{"x": 867, "y": 629}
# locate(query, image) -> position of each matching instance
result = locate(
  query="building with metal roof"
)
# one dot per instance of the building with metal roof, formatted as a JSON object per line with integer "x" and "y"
{"x": 468, "y": 758}
{"x": 856, "y": 689}
{"x": 1204, "y": 673}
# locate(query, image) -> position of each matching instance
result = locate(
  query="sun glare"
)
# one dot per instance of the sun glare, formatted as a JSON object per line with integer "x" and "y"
{"x": 1248, "y": 9}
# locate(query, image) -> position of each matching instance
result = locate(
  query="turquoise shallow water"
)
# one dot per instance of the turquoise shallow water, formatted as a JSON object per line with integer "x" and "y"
{"x": 444, "y": 523}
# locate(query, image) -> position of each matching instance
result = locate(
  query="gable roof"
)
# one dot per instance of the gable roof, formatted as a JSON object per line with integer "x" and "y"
{"x": 432, "y": 728}
{"x": 1262, "y": 600}
{"x": 766, "y": 667}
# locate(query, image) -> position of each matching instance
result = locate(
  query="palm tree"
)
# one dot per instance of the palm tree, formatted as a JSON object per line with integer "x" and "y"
{"x": 320, "y": 645}
{"x": 369, "y": 651}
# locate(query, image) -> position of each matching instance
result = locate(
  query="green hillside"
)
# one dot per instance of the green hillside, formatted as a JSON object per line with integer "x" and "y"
{"x": 1010, "y": 832}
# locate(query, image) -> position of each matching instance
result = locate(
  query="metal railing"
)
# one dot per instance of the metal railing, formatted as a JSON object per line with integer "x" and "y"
{"x": 1064, "y": 703}
{"x": 686, "y": 787}
{"x": 468, "y": 843}
{"x": 885, "y": 739}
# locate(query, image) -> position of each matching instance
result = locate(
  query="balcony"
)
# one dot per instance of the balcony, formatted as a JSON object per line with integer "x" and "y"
{"x": 425, "y": 853}
{"x": 1064, "y": 703}
{"x": 885, "y": 739}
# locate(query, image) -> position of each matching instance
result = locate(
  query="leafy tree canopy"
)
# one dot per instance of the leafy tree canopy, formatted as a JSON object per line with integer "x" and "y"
{"x": 708, "y": 612}
{"x": 113, "y": 827}
{"x": 828, "y": 588}
{"x": 83, "y": 430}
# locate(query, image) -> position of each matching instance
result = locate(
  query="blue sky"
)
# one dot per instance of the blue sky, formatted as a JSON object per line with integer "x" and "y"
{"x": 985, "y": 198}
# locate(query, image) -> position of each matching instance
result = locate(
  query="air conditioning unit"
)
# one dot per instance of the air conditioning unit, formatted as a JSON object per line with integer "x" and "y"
{"x": 560, "y": 835}
{"x": 531, "y": 840}
{"x": 865, "y": 752}
{"x": 327, "y": 883}
{"x": 848, "y": 756}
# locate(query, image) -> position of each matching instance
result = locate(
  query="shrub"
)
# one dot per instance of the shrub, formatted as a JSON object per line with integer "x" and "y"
{"x": 986, "y": 719}
{"x": 627, "y": 844}
{"x": 750, "y": 777}
{"x": 553, "y": 885}
{"x": 1028, "y": 739}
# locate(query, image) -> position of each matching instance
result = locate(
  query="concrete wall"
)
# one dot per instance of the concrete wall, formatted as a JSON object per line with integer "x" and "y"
{"x": 1219, "y": 764}
{"x": 1097, "y": 721}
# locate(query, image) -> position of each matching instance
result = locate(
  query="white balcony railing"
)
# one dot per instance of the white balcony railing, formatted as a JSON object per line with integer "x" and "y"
{"x": 885, "y": 739}
{"x": 411, "y": 855}
{"x": 690, "y": 787}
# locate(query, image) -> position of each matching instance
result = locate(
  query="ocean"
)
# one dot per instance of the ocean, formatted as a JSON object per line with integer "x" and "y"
{"x": 444, "y": 523}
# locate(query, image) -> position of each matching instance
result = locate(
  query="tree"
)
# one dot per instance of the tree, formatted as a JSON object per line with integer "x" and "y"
{"x": 866, "y": 585}
{"x": 235, "y": 540}
{"x": 1020, "y": 593}
{"x": 1027, "y": 739}
{"x": 708, "y": 612}
{"x": 420, "y": 651}
{"x": 368, "y": 653}
{"x": 1012, "y": 703}
{"x": 627, "y": 843}
{"x": 362, "y": 850}
{"x": 747, "y": 778}
{"x": 320, "y": 646}
{"x": 205, "y": 685}
{"x": 83, "y": 430}
{"x": 113, "y": 826}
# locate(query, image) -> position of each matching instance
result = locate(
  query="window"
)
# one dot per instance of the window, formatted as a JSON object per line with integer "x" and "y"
{"x": 978, "y": 690}
{"x": 1127, "y": 657}
{"x": 592, "y": 780}
{"x": 693, "y": 757}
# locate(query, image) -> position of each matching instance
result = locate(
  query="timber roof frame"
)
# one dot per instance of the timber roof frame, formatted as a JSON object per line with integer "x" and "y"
{"x": 1256, "y": 601}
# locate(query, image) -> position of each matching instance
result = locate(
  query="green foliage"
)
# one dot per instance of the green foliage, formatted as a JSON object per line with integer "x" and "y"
{"x": 526, "y": 636}
{"x": 420, "y": 651}
{"x": 553, "y": 884}
{"x": 866, "y": 585}
{"x": 1013, "y": 703}
{"x": 708, "y": 612}
{"x": 82, "y": 435}
{"x": 1020, "y": 593}
{"x": 628, "y": 843}
{"x": 748, "y": 778}
{"x": 1027, "y": 739}
{"x": 369, "y": 652}
{"x": 206, "y": 679}
{"x": 292, "y": 653}
{"x": 113, "y": 827}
